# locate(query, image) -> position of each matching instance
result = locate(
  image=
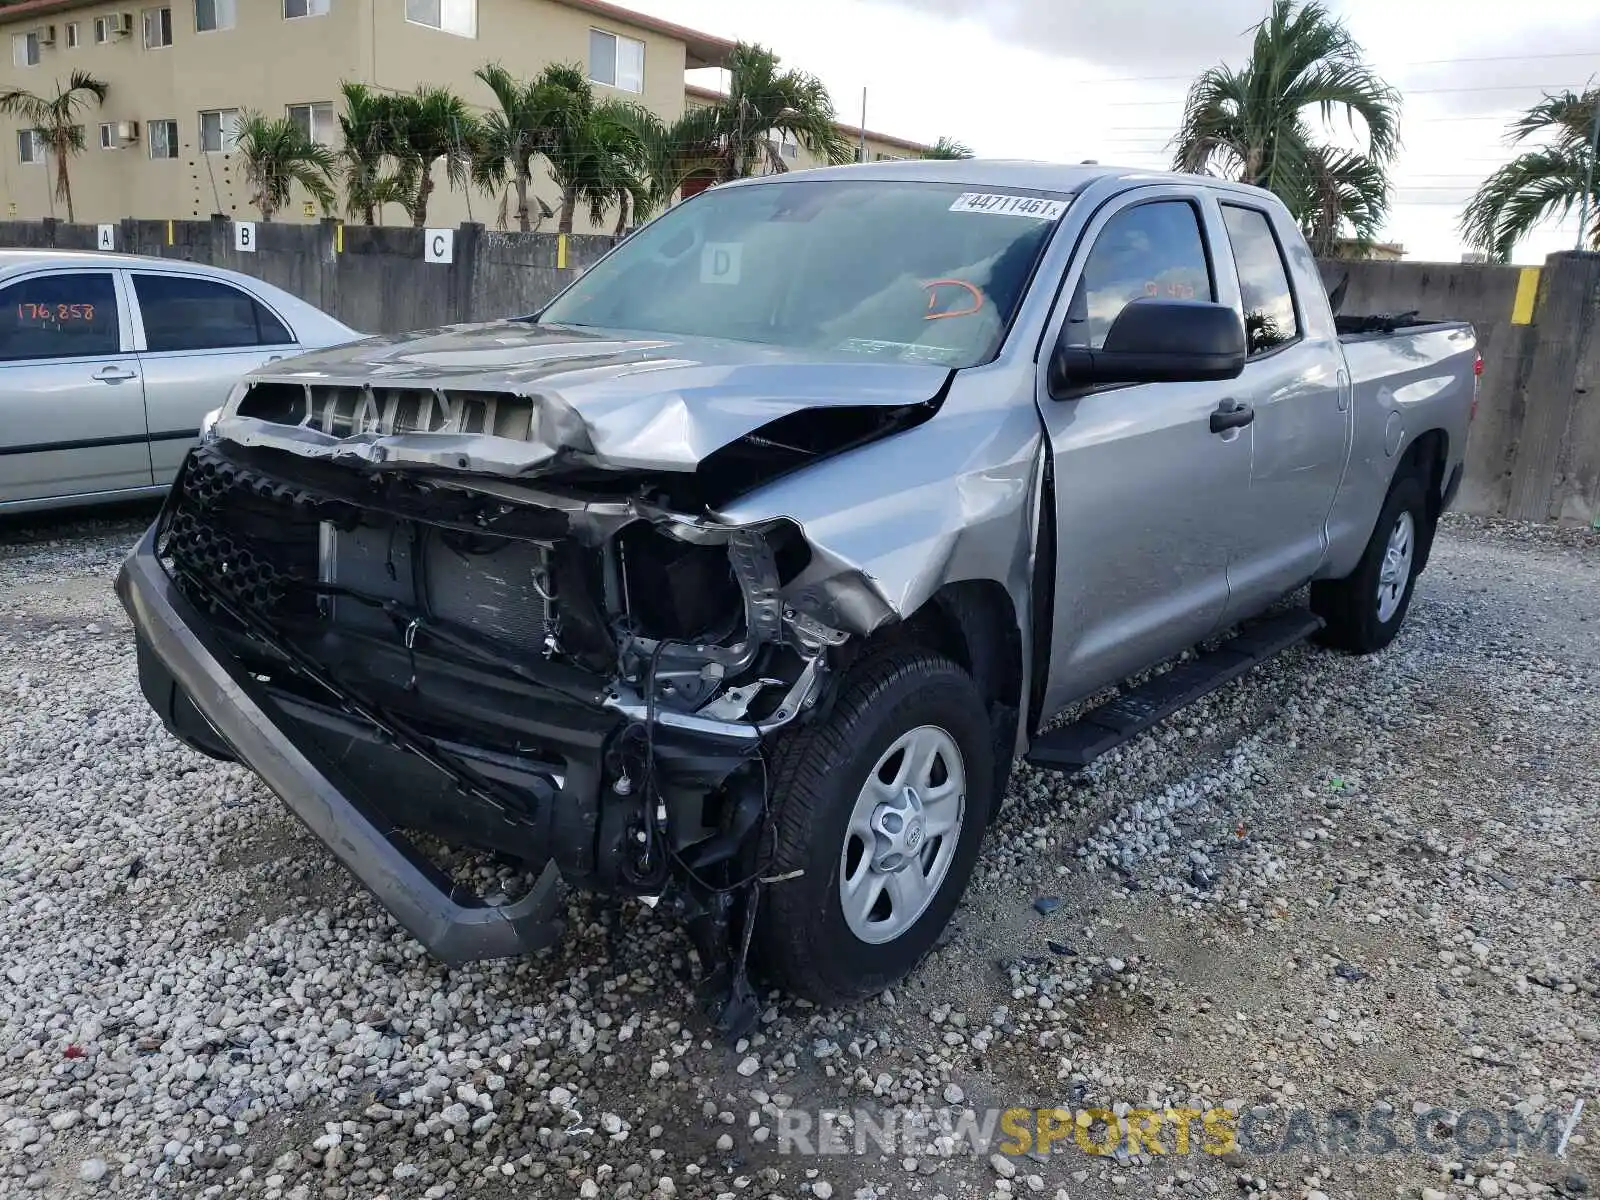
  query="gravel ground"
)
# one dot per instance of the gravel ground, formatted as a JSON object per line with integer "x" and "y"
{"x": 1339, "y": 884}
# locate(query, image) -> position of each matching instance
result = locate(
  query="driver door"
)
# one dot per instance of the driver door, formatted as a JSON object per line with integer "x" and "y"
{"x": 1145, "y": 493}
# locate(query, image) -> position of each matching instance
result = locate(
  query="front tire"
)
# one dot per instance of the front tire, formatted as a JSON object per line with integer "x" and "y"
{"x": 1365, "y": 609}
{"x": 882, "y": 805}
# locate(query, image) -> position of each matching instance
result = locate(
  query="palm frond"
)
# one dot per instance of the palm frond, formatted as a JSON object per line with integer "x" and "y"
{"x": 1536, "y": 186}
{"x": 947, "y": 147}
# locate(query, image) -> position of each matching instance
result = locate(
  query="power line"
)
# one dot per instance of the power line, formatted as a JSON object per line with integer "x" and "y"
{"x": 1507, "y": 87}
{"x": 1419, "y": 62}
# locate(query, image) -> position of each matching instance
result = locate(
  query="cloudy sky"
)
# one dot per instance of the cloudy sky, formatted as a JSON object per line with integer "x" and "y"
{"x": 1105, "y": 79}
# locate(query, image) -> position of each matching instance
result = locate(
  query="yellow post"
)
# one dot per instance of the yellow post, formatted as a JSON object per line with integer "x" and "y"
{"x": 169, "y": 232}
{"x": 561, "y": 252}
{"x": 1527, "y": 293}
{"x": 338, "y": 238}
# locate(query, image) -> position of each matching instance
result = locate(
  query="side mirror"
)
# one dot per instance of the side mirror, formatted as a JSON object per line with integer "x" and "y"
{"x": 1156, "y": 341}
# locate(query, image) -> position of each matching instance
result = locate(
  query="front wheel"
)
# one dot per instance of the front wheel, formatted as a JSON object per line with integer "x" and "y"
{"x": 1365, "y": 609}
{"x": 881, "y": 805}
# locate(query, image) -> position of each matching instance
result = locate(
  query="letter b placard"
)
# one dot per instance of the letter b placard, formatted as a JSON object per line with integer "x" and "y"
{"x": 244, "y": 237}
{"x": 438, "y": 245}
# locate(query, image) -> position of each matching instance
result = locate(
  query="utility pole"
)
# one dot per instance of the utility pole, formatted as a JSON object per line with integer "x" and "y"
{"x": 1588, "y": 183}
{"x": 862, "y": 152}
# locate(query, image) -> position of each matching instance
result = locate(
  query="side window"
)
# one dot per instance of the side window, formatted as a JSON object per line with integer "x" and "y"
{"x": 1153, "y": 249}
{"x": 59, "y": 316}
{"x": 1269, "y": 319}
{"x": 182, "y": 313}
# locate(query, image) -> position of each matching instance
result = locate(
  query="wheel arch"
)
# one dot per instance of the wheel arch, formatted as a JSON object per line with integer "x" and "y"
{"x": 1427, "y": 455}
{"x": 974, "y": 623}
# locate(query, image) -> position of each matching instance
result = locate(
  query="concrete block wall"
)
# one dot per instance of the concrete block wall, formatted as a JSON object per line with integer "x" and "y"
{"x": 1533, "y": 453}
{"x": 375, "y": 279}
{"x": 1534, "y": 450}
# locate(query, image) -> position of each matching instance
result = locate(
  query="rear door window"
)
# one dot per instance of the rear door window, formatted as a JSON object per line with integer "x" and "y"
{"x": 184, "y": 313}
{"x": 1269, "y": 314}
{"x": 69, "y": 315}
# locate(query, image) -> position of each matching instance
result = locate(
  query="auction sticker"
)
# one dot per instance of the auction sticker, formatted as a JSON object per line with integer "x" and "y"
{"x": 1009, "y": 206}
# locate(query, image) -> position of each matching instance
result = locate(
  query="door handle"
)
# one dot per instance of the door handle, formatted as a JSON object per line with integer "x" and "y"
{"x": 1230, "y": 414}
{"x": 114, "y": 374}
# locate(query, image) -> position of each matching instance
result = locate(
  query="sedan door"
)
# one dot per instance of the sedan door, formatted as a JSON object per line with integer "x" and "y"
{"x": 198, "y": 337}
{"x": 1145, "y": 491}
{"x": 72, "y": 419}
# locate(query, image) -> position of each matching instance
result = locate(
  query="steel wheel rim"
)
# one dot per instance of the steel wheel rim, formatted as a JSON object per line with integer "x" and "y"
{"x": 902, "y": 834}
{"x": 1395, "y": 571}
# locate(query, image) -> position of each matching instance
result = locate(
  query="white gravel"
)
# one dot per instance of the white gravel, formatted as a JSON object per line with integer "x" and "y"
{"x": 1340, "y": 882}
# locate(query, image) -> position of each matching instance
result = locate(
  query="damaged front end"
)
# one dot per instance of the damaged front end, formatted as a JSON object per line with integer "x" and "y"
{"x": 574, "y": 671}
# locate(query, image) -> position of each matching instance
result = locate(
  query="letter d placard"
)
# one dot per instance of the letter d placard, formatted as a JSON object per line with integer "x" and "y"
{"x": 438, "y": 245}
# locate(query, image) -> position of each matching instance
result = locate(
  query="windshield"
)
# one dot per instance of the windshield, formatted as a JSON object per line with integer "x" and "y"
{"x": 910, "y": 272}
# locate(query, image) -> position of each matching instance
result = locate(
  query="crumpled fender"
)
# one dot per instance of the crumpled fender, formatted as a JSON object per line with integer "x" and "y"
{"x": 891, "y": 522}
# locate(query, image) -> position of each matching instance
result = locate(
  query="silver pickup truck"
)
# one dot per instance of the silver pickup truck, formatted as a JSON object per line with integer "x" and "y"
{"x": 737, "y": 576}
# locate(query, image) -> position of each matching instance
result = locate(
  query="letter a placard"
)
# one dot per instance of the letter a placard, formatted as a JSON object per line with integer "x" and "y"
{"x": 107, "y": 239}
{"x": 438, "y": 245}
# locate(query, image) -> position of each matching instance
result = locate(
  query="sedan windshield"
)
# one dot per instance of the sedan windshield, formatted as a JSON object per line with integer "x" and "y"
{"x": 910, "y": 272}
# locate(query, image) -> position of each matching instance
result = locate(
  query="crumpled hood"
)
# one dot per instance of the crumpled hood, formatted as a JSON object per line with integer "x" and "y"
{"x": 607, "y": 400}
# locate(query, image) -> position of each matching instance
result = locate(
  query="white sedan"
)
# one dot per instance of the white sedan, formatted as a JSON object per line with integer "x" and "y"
{"x": 109, "y": 364}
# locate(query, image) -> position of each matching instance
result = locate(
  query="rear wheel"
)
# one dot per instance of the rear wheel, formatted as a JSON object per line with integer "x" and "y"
{"x": 882, "y": 805}
{"x": 1365, "y": 609}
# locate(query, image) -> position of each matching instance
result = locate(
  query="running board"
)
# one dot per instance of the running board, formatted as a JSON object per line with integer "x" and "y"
{"x": 1073, "y": 747}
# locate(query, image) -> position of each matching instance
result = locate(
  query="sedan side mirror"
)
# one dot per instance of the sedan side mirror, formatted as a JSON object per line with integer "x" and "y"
{"x": 1156, "y": 341}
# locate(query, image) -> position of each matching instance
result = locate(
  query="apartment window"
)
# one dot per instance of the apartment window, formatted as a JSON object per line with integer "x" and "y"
{"x": 212, "y": 15}
{"x": 459, "y": 17}
{"x": 30, "y": 146}
{"x": 102, "y": 30}
{"x": 219, "y": 130}
{"x": 72, "y": 35}
{"x": 163, "y": 139}
{"x": 304, "y": 8}
{"x": 317, "y": 122}
{"x": 108, "y": 136}
{"x": 157, "y": 27}
{"x": 25, "y": 49}
{"x": 616, "y": 61}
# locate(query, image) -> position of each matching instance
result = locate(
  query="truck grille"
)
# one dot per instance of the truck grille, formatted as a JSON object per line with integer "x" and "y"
{"x": 243, "y": 536}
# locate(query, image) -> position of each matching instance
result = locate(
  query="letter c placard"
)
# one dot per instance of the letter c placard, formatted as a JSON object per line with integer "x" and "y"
{"x": 438, "y": 245}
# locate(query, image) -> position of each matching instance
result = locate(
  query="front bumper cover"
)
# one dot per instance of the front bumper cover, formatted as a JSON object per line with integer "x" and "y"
{"x": 454, "y": 926}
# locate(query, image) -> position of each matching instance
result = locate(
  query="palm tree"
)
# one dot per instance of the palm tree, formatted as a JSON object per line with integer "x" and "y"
{"x": 1254, "y": 124}
{"x": 671, "y": 155}
{"x": 1543, "y": 182}
{"x": 433, "y": 125}
{"x": 947, "y": 147}
{"x": 762, "y": 104}
{"x": 368, "y": 124}
{"x": 596, "y": 148}
{"x": 277, "y": 154}
{"x": 523, "y": 126}
{"x": 55, "y": 119}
